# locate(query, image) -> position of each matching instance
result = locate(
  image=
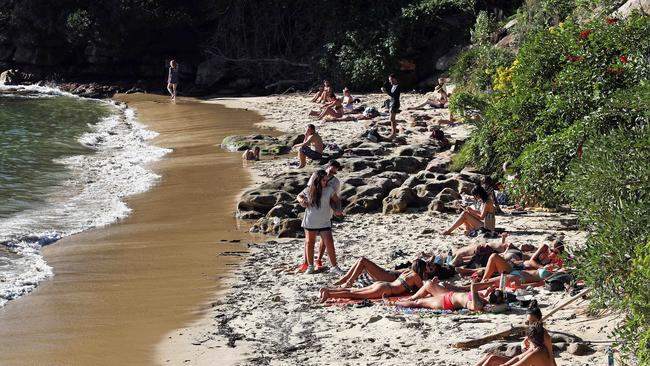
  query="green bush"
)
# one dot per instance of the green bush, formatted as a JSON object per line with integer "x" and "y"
{"x": 610, "y": 184}
{"x": 568, "y": 82}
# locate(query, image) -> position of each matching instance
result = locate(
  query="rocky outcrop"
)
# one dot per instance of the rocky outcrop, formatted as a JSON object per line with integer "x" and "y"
{"x": 269, "y": 145}
{"x": 399, "y": 200}
{"x": 16, "y": 77}
{"x": 642, "y": 6}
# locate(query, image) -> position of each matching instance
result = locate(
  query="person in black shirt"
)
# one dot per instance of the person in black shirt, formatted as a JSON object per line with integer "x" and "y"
{"x": 393, "y": 90}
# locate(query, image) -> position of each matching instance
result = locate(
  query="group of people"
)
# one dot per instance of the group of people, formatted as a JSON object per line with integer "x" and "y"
{"x": 491, "y": 267}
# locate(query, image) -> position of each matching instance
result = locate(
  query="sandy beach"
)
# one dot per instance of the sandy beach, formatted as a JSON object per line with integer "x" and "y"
{"x": 272, "y": 316}
{"x": 118, "y": 290}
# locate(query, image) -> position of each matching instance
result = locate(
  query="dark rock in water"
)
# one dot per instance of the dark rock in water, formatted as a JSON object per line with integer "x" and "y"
{"x": 249, "y": 215}
{"x": 268, "y": 145}
{"x": 398, "y": 200}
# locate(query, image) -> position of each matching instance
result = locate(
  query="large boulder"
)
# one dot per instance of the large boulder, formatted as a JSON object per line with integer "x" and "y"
{"x": 210, "y": 72}
{"x": 283, "y": 228}
{"x": 398, "y": 200}
{"x": 440, "y": 164}
{"x": 445, "y": 61}
{"x": 642, "y": 6}
{"x": 269, "y": 145}
{"x": 292, "y": 182}
{"x": 16, "y": 77}
{"x": 406, "y": 164}
{"x": 263, "y": 201}
{"x": 446, "y": 201}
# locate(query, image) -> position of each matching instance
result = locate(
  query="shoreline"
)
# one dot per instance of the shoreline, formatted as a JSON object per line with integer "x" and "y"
{"x": 123, "y": 286}
{"x": 273, "y": 315}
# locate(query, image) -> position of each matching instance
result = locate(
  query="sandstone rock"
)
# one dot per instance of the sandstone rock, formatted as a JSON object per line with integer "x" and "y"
{"x": 398, "y": 200}
{"x": 445, "y": 201}
{"x": 406, "y": 164}
{"x": 439, "y": 164}
{"x": 16, "y": 77}
{"x": 268, "y": 145}
{"x": 630, "y": 6}
{"x": 210, "y": 72}
{"x": 579, "y": 349}
{"x": 505, "y": 350}
{"x": 250, "y": 215}
{"x": 283, "y": 210}
{"x": 445, "y": 61}
{"x": 262, "y": 200}
{"x": 292, "y": 182}
{"x": 283, "y": 228}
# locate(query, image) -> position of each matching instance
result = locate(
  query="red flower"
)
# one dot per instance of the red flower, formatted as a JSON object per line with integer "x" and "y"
{"x": 615, "y": 70}
{"x": 579, "y": 152}
{"x": 585, "y": 34}
{"x": 571, "y": 58}
{"x": 611, "y": 20}
{"x": 623, "y": 59}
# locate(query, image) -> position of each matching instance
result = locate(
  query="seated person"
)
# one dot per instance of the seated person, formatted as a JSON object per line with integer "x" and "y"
{"x": 433, "y": 295}
{"x": 251, "y": 154}
{"x": 348, "y": 101}
{"x": 537, "y": 350}
{"x": 324, "y": 92}
{"x": 304, "y": 149}
{"x": 438, "y": 99}
{"x": 332, "y": 109}
{"x": 407, "y": 282}
{"x": 473, "y": 219}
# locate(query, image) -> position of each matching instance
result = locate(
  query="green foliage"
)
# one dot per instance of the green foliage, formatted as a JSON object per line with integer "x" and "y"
{"x": 568, "y": 82}
{"x": 610, "y": 183}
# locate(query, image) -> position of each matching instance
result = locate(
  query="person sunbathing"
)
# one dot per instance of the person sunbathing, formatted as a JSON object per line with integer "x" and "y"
{"x": 433, "y": 295}
{"x": 514, "y": 277}
{"x": 469, "y": 253}
{"x": 378, "y": 273}
{"x": 547, "y": 254}
{"x": 332, "y": 109}
{"x": 407, "y": 282}
{"x": 438, "y": 99}
{"x": 535, "y": 353}
{"x": 533, "y": 315}
{"x": 473, "y": 219}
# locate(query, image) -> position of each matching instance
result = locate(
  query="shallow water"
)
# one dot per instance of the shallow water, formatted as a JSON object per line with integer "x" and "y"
{"x": 66, "y": 163}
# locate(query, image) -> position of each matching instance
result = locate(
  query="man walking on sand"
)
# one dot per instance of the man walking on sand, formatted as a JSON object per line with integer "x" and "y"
{"x": 393, "y": 90}
{"x": 304, "y": 149}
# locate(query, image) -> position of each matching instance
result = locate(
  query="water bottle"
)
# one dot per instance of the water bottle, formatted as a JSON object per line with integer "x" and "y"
{"x": 450, "y": 257}
{"x": 610, "y": 356}
{"x": 502, "y": 282}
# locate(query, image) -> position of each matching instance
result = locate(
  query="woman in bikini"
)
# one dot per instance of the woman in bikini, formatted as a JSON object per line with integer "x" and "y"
{"x": 433, "y": 295}
{"x": 438, "y": 99}
{"x": 517, "y": 277}
{"x": 535, "y": 349}
{"x": 406, "y": 283}
{"x": 533, "y": 315}
{"x": 473, "y": 219}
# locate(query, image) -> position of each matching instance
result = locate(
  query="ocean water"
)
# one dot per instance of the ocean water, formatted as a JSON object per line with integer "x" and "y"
{"x": 66, "y": 164}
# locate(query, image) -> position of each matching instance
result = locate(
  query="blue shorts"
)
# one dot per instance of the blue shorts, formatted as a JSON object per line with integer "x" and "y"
{"x": 312, "y": 154}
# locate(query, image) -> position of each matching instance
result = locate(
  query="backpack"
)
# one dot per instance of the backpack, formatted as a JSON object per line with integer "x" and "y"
{"x": 559, "y": 281}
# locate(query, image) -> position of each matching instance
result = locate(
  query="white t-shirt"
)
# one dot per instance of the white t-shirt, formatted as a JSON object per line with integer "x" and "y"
{"x": 318, "y": 217}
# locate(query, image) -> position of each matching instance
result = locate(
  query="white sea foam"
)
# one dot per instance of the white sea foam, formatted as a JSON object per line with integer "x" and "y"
{"x": 92, "y": 197}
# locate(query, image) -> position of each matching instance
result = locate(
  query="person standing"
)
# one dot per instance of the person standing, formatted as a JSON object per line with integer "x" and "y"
{"x": 317, "y": 199}
{"x": 172, "y": 79}
{"x": 332, "y": 181}
{"x": 393, "y": 90}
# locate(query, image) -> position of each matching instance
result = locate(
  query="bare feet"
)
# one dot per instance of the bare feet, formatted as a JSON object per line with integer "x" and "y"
{"x": 324, "y": 295}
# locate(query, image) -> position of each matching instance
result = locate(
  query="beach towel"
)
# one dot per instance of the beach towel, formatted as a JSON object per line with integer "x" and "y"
{"x": 428, "y": 313}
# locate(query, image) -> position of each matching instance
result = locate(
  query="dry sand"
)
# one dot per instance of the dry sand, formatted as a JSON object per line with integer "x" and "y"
{"x": 118, "y": 290}
{"x": 272, "y": 317}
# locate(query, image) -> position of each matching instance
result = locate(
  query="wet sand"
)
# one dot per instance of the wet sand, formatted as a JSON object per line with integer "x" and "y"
{"x": 118, "y": 290}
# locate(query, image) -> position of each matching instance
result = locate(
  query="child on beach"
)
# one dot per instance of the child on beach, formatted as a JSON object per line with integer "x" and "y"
{"x": 172, "y": 79}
